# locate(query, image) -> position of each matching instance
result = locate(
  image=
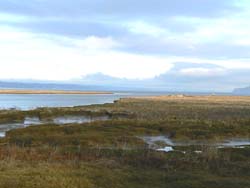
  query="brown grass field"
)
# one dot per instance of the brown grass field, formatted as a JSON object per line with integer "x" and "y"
{"x": 190, "y": 98}
{"x": 110, "y": 154}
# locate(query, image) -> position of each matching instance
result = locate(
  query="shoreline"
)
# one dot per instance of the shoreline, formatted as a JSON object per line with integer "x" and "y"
{"x": 70, "y": 92}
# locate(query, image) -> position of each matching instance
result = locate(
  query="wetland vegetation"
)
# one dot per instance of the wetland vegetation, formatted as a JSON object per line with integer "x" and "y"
{"x": 110, "y": 152}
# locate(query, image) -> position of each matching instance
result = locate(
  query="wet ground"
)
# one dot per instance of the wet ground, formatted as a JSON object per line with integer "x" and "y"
{"x": 163, "y": 143}
{"x": 62, "y": 120}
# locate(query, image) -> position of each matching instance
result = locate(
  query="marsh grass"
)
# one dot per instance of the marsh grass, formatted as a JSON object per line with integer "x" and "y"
{"x": 110, "y": 154}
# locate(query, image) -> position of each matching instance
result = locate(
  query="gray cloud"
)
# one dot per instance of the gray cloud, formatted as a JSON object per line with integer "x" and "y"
{"x": 102, "y": 18}
{"x": 81, "y": 18}
{"x": 176, "y": 47}
{"x": 106, "y": 17}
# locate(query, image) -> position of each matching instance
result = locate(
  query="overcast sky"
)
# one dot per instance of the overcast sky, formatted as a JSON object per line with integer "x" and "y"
{"x": 180, "y": 44}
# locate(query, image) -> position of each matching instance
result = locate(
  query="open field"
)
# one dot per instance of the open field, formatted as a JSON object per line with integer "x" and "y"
{"x": 111, "y": 154}
{"x": 10, "y": 91}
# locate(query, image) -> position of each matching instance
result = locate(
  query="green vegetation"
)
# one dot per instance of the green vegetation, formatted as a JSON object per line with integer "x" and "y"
{"x": 110, "y": 153}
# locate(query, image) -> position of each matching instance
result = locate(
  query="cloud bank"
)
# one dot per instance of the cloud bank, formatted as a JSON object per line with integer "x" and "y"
{"x": 167, "y": 44}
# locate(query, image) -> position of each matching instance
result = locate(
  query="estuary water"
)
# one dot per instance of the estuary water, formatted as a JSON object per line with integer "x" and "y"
{"x": 31, "y": 101}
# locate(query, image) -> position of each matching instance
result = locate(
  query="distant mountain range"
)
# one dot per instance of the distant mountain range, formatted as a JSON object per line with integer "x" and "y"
{"x": 242, "y": 91}
{"x": 182, "y": 77}
{"x": 50, "y": 86}
{"x": 107, "y": 83}
{"x": 103, "y": 85}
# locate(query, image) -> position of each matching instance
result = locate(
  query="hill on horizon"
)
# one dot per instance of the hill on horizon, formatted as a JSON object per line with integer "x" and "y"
{"x": 49, "y": 86}
{"x": 242, "y": 91}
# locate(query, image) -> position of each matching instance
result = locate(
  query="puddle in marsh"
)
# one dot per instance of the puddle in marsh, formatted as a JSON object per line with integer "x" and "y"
{"x": 78, "y": 119}
{"x": 166, "y": 149}
{"x": 28, "y": 121}
{"x": 163, "y": 143}
{"x": 32, "y": 121}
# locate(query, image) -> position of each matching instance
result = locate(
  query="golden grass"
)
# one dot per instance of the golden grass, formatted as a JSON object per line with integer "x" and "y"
{"x": 190, "y": 98}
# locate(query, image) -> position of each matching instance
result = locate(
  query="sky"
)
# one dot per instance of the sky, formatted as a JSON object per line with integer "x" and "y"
{"x": 181, "y": 45}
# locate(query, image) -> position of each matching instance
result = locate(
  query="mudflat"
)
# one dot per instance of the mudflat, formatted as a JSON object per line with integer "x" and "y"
{"x": 12, "y": 91}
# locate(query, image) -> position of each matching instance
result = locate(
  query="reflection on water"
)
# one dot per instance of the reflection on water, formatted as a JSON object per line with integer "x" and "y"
{"x": 2, "y": 134}
{"x": 28, "y": 121}
{"x": 78, "y": 119}
{"x": 152, "y": 140}
{"x": 32, "y": 121}
{"x": 26, "y": 102}
{"x": 166, "y": 149}
{"x": 6, "y": 127}
{"x": 163, "y": 143}
{"x": 235, "y": 143}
